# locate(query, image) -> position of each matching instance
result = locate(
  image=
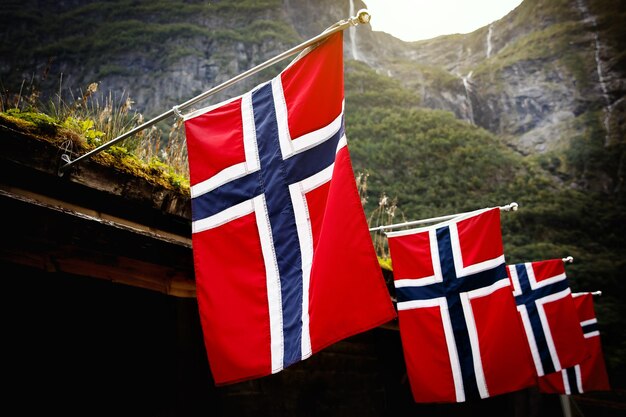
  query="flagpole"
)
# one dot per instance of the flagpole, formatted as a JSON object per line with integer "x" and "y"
{"x": 598, "y": 293}
{"x": 565, "y": 405}
{"x": 509, "y": 207}
{"x": 362, "y": 17}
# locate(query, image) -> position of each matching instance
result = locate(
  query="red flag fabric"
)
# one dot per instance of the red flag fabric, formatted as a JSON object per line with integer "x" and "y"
{"x": 546, "y": 309}
{"x": 459, "y": 328}
{"x": 283, "y": 258}
{"x": 590, "y": 374}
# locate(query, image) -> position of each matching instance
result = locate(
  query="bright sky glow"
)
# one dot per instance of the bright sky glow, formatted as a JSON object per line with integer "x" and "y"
{"x": 412, "y": 20}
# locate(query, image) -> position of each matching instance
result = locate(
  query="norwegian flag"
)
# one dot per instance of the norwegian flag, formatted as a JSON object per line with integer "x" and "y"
{"x": 590, "y": 374}
{"x": 460, "y": 334}
{"x": 283, "y": 258}
{"x": 548, "y": 314}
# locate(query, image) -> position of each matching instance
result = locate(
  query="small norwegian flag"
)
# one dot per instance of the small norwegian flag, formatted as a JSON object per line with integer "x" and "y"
{"x": 590, "y": 374}
{"x": 459, "y": 327}
{"x": 546, "y": 308}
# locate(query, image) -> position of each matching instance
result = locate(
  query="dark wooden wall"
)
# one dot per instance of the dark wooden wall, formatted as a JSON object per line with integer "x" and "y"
{"x": 75, "y": 345}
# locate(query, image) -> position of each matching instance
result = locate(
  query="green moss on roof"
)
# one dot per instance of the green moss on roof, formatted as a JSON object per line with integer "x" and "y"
{"x": 44, "y": 127}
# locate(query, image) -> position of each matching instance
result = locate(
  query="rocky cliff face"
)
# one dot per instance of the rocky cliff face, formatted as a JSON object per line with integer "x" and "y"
{"x": 159, "y": 52}
{"x": 549, "y": 77}
{"x": 529, "y": 76}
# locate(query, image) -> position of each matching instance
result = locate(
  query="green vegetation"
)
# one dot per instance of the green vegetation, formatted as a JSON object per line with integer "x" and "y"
{"x": 38, "y": 122}
{"x": 86, "y": 123}
{"x": 103, "y": 35}
{"x": 134, "y": 36}
{"x": 429, "y": 163}
{"x": 365, "y": 89}
{"x": 611, "y": 16}
{"x": 536, "y": 14}
{"x": 416, "y": 75}
{"x": 540, "y": 44}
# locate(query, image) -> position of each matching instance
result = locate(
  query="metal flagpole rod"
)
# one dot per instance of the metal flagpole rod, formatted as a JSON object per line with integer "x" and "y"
{"x": 598, "y": 293}
{"x": 509, "y": 207}
{"x": 361, "y": 17}
{"x": 566, "y": 406}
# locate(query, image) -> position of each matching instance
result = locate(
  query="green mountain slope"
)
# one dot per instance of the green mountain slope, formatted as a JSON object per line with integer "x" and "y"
{"x": 434, "y": 164}
{"x": 168, "y": 51}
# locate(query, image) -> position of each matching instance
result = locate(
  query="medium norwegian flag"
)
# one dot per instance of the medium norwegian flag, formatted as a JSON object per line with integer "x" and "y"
{"x": 590, "y": 374}
{"x": 548, "y": 314}
{"x": 283, "y": 258}
{"x": 459, "y": 328}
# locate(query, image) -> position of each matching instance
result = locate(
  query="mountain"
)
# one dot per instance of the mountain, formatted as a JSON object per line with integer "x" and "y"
{"x": 542, "y": 77}
{"x": 529, "y": 108}
{"x": 545, "y": 76}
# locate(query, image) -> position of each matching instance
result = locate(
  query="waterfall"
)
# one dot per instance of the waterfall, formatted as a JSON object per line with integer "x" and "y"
{"x": 352, "y": 30}
{"x": 608, "y": 109}
{"x": 468, "y": 90}
{"x": 489, "y": 33}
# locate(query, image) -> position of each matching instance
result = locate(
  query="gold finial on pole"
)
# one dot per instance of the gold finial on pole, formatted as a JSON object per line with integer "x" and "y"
{"x": 363, "y": 16}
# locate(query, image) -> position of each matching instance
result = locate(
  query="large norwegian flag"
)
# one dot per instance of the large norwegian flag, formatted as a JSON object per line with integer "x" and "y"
{"x": 459, "y": 328}
{"x": 590, "y": 374}
{"x": 546, "y": 308}
{"x": 283, "y": 258}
